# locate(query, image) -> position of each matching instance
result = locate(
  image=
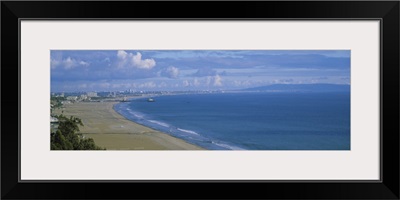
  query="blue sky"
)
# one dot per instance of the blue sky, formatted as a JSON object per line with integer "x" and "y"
{"x": 150, "y": 70}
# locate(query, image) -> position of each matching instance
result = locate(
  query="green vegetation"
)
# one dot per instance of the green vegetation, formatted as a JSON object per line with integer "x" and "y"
{"x": 98, "y": 98}
{"x": 66, "y": 137}
{"x": 56, "y": 103}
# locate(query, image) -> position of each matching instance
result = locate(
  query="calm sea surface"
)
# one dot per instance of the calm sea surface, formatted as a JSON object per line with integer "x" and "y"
{"x": 249, "y": 121}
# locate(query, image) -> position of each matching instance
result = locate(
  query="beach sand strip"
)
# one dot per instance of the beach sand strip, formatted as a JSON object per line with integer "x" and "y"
{"x": 114, "y": 132}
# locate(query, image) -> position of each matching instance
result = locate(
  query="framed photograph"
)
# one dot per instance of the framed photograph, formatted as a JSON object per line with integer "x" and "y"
{"x": 127, "y": 98}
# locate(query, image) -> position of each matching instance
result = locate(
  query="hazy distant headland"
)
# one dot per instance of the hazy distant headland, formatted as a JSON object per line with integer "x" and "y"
{"x": 302, "y": 88}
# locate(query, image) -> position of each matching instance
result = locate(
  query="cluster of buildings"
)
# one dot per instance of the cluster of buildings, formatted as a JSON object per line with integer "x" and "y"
{"x": 83, "y": 97}
{"x": 112, "y": 94}
{"x": 58, "y": 95}
{"x": 68, "y": 99}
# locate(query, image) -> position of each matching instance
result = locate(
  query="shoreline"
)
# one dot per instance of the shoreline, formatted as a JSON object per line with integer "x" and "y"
{"x": 113, "y": 131}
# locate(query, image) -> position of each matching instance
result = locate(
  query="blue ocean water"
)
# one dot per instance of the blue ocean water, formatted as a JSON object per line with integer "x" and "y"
{"x": 249, "y": 121}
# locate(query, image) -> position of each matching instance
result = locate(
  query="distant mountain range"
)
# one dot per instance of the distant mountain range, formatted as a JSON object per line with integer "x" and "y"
{"x": 302, "y": 88}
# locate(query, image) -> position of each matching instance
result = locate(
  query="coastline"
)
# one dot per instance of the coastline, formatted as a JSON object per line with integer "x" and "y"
{"x": 113, "y": 131}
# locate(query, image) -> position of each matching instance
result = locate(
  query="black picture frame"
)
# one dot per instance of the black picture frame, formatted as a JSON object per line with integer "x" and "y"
{"x": 386, "y": 11}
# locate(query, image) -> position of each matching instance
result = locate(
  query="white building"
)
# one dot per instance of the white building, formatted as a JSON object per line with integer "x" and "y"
{"x": 91, "y": 94}
{"x": 112, "y": 94}
{"x": 83, "y": 97}
{"x": 72, "y": 98}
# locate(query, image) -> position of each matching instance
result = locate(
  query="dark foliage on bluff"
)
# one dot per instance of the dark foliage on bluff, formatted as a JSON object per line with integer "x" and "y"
{"x": 66, "y": 137}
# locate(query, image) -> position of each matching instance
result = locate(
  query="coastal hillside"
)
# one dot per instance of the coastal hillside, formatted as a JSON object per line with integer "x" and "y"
{"x": 302, "y": 88}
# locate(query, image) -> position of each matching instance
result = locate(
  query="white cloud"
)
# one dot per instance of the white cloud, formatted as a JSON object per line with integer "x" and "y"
{"x": 83, "y": 63}
{"x": 208, "y": 80}
{"x": 68, "y": 63}
{"x": 122, "y": 54}
{"x": 54, "y": 63}
{"x": 217, "y": 80}
{"x": 196, "y": 82}
{"x": 131, "y": 60}
{"x": 171, "y": 72}
{"x": 143, "y": 64}
{"x": 186, "y": 83}
{"x": 214, "y": 80}
{"x": 122, "y": 58}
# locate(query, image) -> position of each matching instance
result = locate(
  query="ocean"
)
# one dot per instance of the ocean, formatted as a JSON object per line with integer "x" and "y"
{"x": 249, "y": 121}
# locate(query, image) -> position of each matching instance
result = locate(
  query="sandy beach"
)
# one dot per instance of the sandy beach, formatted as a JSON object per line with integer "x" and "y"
{"x": 114, "y": 132}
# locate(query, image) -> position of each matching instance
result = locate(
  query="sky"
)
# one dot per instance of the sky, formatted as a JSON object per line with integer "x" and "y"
{"x": 173, "y": 70}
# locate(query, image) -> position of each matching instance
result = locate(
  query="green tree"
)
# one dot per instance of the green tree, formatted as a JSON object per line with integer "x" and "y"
{"x": 58, "y": 142}
{"x": 67, "y": 138}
